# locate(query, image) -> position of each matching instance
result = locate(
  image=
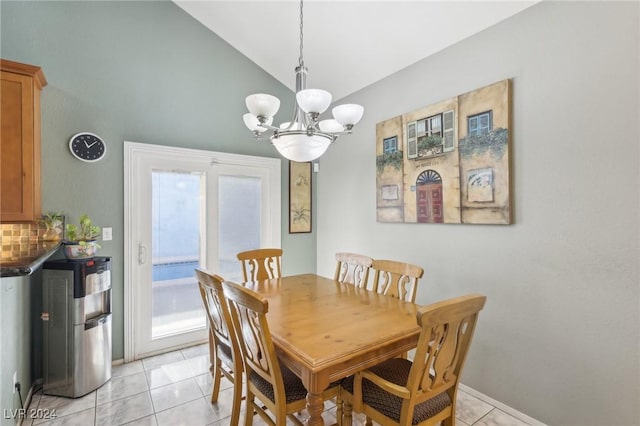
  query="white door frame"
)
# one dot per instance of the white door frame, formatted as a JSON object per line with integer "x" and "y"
{"x": 271, "y": 232}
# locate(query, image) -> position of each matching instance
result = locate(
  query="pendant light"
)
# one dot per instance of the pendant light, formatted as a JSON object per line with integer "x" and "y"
{"x": 304, "y": 138}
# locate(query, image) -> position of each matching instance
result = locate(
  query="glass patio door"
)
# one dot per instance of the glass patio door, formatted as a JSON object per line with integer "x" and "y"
{"x": 177, "y": 224}
{"x": 184, "y": 209}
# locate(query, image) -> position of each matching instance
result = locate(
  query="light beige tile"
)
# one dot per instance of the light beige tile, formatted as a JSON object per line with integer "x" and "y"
{"x": 199, "y": 365}
{"x": 126, "y": 369}
{"x": 195, "y": 351}
{"x": 80, "y": 418}
{"x": 64, "y": 406}
{"x": 205, "y": 382}
{"x": 169, "y": 373}
{"x": 499, "y": 418}
{"x": 124, "y": 410}
{"x": 194, "y": 413}
{"x": 160, "y": 360}
{"x": 175, "y": 394}
{"x": 122, "y": 387}
{"x": 145, "y": 421}
{"x": 470, "y": 409}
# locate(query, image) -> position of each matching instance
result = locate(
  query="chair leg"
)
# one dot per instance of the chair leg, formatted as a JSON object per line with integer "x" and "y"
{"x": 339, "y": 404}
{"x": 217, "y": 375}
{"x": 368, "y": 421}
{"x": 449, "y": 421}
{"x": 347, "y": 418}
{"x": 248, "y": 412}
{"x": 237, "y": 400}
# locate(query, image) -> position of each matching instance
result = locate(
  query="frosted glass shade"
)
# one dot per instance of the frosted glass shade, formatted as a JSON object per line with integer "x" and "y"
{"x": 330, "y": 126}
{"x": 300, "y": 147}
{"x": 313, "y": 100}
{"x": 261, "y": 104}
{"x": 348, "y": 114}
{"x": 251, "y": 121}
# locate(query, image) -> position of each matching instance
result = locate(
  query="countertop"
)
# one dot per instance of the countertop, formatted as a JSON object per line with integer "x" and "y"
{"x": 31, "y": 256}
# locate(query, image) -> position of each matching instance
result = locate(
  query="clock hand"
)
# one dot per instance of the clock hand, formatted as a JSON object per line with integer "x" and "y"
{"x": 89, "y": 146}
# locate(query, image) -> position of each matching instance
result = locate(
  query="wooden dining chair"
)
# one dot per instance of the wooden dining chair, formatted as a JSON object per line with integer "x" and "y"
{"x": 261, "y": 264}
{"x": 396, "y": 279}
{"x": 353, "y": 269}
{"x": 422, "y": 392}
{"x": 277, "y": 388}
{"x": 226, "y": 359}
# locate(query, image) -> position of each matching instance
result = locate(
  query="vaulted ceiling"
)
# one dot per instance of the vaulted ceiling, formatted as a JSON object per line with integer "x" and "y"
{"x": 348, "y": 45}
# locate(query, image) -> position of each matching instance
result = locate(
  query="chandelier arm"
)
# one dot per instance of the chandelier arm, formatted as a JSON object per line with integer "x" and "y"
{"x": 268, "y": 126}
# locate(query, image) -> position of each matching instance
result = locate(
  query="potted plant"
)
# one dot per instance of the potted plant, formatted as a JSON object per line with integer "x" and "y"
{"x": 53, "y": 222}
{"x": 81, "y": 241}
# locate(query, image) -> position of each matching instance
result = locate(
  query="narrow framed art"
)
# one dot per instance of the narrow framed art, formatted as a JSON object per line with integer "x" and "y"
{"x": 299, "y": 197}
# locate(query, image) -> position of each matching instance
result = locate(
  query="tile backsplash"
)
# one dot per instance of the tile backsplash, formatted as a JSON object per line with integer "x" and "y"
{"x": 20, "y": 239}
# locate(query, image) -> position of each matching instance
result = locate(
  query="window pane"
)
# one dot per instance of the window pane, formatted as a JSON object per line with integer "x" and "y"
{"x": 239, "y": 228}
{"x": 435, "y": 123}
{"x": 484, "y": 121}
{"x": 176, "y": 210}
{"x": 473, "y": 125}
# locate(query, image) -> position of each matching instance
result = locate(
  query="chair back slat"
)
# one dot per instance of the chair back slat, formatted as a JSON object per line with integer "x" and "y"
{"x": 447, "y": 330}
{"x": 396, "y": 279}
{"x": 261, "y": 264}
{"x": 353, "y": 269}
{"x": 248, "y": 313}
{"x": 217, "y": 311}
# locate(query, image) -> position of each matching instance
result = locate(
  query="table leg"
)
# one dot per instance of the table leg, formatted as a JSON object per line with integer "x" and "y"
{"x": 315, "y": 405}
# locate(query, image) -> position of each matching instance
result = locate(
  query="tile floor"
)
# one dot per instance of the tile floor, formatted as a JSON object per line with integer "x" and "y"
{"x": 174, "y": 389}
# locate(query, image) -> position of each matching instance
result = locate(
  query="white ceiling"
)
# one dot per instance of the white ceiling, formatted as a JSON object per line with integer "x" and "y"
{"x": 348, "y": 45}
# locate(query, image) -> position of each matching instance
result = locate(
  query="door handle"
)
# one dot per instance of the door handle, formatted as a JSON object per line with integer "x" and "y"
{"x": 142, "y": 254}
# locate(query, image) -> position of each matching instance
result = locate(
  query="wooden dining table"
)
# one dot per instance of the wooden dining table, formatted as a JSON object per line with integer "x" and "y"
{"x": 324, "y": 330}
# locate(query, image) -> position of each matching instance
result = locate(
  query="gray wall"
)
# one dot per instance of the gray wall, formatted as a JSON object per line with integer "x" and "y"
{"x": 559, "y": 336}
{"x": 15, "y": 343}
{"x": 137, "y": 71}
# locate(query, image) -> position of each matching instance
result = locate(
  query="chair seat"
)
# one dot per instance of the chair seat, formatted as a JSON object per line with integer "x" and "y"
{"x": 293, "y": 387}
{"x": 396, "y": 371}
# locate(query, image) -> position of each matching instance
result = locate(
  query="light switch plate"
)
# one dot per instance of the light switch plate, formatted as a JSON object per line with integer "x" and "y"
{"x": 107, "y": 234}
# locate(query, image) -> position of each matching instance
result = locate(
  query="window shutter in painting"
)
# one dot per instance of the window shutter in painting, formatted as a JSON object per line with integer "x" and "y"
{"x": 412, "y": 140}
{"x": 448, "y": 143}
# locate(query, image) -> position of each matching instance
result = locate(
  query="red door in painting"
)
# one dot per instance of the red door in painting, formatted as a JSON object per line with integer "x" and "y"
{"x": 429, "y": 197}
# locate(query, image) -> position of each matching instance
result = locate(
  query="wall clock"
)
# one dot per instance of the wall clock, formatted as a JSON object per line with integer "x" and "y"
{"x": 87, "y": 147}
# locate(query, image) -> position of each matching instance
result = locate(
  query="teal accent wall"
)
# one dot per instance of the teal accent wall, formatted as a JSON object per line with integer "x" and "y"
{"x": 15, "y": 343}
{"x": 137, "y": 71}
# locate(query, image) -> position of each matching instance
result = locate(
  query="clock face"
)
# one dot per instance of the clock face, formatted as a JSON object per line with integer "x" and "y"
{"x": 87, "y": 147}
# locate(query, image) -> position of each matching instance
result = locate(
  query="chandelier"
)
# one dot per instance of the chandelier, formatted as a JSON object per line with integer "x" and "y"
{"x": 304, "y": 138}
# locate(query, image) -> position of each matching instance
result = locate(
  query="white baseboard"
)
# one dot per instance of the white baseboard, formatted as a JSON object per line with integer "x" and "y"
{"x": 501, "y": 406}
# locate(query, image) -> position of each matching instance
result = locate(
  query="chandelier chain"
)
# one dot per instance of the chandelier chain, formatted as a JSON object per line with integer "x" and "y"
{"x": 300, "y": 58}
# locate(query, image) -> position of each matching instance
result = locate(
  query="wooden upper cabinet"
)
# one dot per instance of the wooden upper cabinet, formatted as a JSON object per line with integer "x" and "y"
{"x": 20, "y": 193}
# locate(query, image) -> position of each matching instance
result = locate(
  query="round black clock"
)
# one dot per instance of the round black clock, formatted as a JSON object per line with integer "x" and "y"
{"x": 87, "y": 147}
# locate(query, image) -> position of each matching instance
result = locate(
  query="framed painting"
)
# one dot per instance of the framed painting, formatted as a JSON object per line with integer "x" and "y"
{"x": 299, "y": 197}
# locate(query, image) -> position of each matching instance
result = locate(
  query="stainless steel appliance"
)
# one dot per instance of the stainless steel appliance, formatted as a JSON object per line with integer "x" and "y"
{"x": 76, "y": 318}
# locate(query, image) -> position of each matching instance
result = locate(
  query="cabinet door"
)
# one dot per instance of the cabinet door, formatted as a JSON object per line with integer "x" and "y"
{"x": 19, "y": 149}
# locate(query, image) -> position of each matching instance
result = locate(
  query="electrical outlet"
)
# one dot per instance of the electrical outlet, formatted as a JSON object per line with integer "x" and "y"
{"x": 107, "y": 234}
{"x": 15, "y": 380}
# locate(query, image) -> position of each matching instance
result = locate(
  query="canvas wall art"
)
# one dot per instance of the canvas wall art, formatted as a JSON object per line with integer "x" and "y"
{"x": 447, "y": 162}
{"x": 299, "y": 197}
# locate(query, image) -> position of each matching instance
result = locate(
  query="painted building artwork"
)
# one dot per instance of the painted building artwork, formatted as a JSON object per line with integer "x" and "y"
{"x": 447, "y": 162}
